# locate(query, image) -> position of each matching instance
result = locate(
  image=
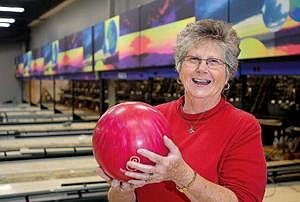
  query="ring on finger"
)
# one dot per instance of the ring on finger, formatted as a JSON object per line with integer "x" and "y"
{"x": 150, "y": 177}
{"x": 121, "y": 187}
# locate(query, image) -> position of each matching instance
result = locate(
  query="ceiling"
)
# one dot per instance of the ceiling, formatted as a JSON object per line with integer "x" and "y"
{"x": 20, "y": 31}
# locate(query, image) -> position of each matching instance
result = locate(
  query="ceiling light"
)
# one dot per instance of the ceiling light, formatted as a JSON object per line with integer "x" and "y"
{"x": 12, "y": 9}
{"x": 2, "y": 24}
{"x": 8, "y": 20}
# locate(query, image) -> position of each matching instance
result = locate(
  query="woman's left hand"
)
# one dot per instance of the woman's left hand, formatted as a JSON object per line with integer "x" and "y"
{"x": 170, "y": 167}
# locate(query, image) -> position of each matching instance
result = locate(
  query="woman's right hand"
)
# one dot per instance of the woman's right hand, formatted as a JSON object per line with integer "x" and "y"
{"x": 119, "y": 191}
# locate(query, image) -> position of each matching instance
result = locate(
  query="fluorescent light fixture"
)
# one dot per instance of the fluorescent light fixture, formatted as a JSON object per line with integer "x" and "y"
{"x": 8, "y": 20}
{"x": 12, "y": 9}
{"x": 3, "y": 24}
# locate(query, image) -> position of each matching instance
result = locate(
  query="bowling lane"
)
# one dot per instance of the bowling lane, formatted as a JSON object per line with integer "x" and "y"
{"x": 32, "y": 118}
{"x": 18, "y": 108}
{"x": 26, "y": 144}
{"x": 33, "y": 113}
{"x": 47, "y": 127}
{"x": 49, "y": 187}
{"x": 271, "y": 164}
{"x": 287, "y": 191}
{"x": 45, "y": 174}
{"x": 10, "y": 105}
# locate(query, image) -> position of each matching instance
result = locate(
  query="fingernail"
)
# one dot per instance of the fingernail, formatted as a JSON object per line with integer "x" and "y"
{"x": 115, "y": 183}
{"x": 140, "y": 151}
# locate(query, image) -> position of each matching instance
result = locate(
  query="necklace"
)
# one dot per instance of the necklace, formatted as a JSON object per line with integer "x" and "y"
{"x": 192, "y": 125}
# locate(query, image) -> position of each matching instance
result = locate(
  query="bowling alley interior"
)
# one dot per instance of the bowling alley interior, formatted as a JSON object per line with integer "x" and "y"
{"x": 64, "y": 63}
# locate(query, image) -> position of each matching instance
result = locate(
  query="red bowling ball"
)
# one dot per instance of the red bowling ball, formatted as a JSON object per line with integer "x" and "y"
{"x": 123, "y": 129}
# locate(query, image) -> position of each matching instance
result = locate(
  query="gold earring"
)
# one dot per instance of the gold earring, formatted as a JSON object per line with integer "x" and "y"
{"x": 227, "y": 86}
{"x": 178, "y": 81}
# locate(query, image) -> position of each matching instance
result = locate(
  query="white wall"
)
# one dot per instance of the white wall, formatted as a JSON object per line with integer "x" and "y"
{"x": 75, "y": 17}
{"x": 10, "y": 87}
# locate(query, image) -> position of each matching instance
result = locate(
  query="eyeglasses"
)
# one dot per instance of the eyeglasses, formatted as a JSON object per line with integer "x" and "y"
{"x": 195, "y": 62}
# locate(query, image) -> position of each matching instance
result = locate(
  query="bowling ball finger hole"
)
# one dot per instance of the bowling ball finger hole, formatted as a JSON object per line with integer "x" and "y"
{"x": 133, "y": 159}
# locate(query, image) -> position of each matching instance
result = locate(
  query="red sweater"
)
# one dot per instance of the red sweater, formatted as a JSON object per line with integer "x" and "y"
{"x": 226, "y": 149}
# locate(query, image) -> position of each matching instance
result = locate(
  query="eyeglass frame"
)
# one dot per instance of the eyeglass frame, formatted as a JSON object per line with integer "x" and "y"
{"x": 199, "y": 61}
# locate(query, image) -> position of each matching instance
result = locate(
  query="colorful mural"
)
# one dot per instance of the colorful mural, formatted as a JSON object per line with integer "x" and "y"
{"x": 146, "y": 36}
{"x": 129, "y": 40}
{"x": 27, "y": 58}
{"x": 62, "y": 58}
{"x": 87, "y": 44}
{"x": 267, "y": 28}
{"x": 161, "y": 21}
{"x": 106, "y": 44}
{"x": 50, "y": 51}
{"x": 19, "y": 66}
{"x": 73, "y": 58}
{"x": 37, "y": 64}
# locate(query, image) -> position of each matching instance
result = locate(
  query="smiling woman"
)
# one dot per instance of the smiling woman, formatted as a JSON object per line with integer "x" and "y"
{"x": 214, "y": 146}
{"x": 203, "y": 80}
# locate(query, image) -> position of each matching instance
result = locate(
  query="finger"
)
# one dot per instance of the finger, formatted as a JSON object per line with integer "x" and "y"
{"x": 170, "y": 145}
{"x": 141, "y": 167}
{"x": 150, "y": 155}
{"x": 115, "y": 183}
{"x": 138, "y": 176}
{"x": 137, "y": 183}
{"x": 127, "y": 186}
{"x": 102, "y": 174}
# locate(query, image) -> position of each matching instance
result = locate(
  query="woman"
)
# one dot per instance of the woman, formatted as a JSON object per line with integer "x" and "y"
{"x": 216, "y": 151}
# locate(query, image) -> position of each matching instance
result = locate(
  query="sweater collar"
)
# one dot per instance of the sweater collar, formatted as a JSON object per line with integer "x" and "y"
{"x": 204, "y": 115}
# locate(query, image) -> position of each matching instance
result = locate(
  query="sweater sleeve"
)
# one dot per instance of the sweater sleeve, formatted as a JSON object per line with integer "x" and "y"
{"x": 243, "y": 168}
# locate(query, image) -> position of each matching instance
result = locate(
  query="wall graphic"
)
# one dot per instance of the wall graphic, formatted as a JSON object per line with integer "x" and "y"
{"x": 129, "y": 40}
{"x": 27, "y": 58}
{"x": 62, "y": 58}
{"x": 73, "y": 58}
{"x": 50, "y": 53}
{"x": 145, "y": 36}
{"x": 160, "y": 23}
{"x": 106, "y": 44}
{"x": 19, "y": 66}
{"x": 267, "y": 28}
{"x": 37, "y": 64}
{"x": 218, "y": 9}
{"x": 87, "y": 43}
